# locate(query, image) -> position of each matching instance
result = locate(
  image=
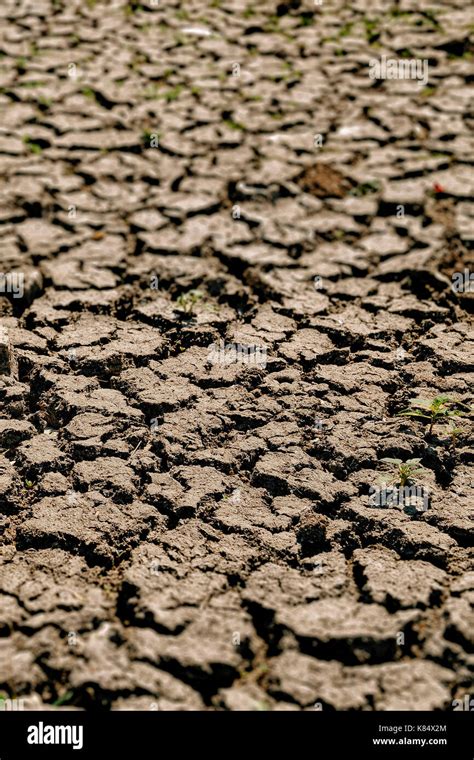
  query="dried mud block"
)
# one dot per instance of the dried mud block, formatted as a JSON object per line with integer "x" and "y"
{"x": 19, "y": 670}
{"x": 88, "y": 525}
{"x": 6, "y": 353}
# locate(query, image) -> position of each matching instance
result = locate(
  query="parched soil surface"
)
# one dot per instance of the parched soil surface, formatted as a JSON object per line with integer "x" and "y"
{"x": 179, "y": 533}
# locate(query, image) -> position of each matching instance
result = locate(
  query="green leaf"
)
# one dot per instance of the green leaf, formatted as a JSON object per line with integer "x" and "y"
{"x": 414, "y": 413}
{"x": 64, "y": 698}
{"x": 390, "y": 460}
{"x": 414, "y": 473}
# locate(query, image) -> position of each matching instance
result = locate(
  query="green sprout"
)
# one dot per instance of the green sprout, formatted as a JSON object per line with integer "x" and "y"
{"x": 148, "y": 136}
{"x": 430, "y": 18}
{"x": 434, "y": 410}
{"x": 88, "y": 92}
{"x": 272, "y": 24}
{"x": 33, "y": 83}
{"x": 187, "y": 301}
{"x": 306, "y": 19}
{"x": 366, "y": 188}
{"x": 371, "y": 30}
{"x": 233, "y": 124}
{"x": 454, "y": 432}
{"x": 345, "y": 30}
{"x": 133, "y": 7}
{"x": 172, "y": 94}
{"x": 404, "y": 472}
{"x": 32, "y": 146}
{"x": 396, "y": 13}
{"x": 64, "y": 699}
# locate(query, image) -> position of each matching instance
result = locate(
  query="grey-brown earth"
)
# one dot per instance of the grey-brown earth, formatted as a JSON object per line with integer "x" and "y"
{"x": 179, "y": 533}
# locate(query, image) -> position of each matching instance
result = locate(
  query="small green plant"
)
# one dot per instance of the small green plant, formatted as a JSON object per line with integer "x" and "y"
{"x": 33, "y": 83}
{"x": 133, "y": 7}
{"x": 6, "y": 699}
{"x": 371, "y": 30}
{"x": 306, "y": 19}
{"x": 233, "y": 124}
{"x": 150, "y": 139}
{"x": 32, "y": 146}
{"x": 435, "y": 410}
{"x": 187, "y": 301}
{"x": 404, "y": 472}
{"x": 466, "y": 55}
{"x": 172, "y": 94}
{"x": 345, "y": 30}
{"x": 366, "y": 188}
{"x": 430, "y": 18}
{"x": 151, "y": 92}
{"x": 272, "y": 24}
{"x": 397, "y": 13}
{"x": 88, "y": 93}
{"x": 64, "y": 699}
{"x": 454, "y": 432}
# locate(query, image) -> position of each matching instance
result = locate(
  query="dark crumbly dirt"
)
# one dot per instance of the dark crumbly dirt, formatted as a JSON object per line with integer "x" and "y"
{"x": 182, "y": 534}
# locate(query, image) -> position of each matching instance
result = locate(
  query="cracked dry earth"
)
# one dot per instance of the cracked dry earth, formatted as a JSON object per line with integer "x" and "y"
{"x": 178, "y": 534}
